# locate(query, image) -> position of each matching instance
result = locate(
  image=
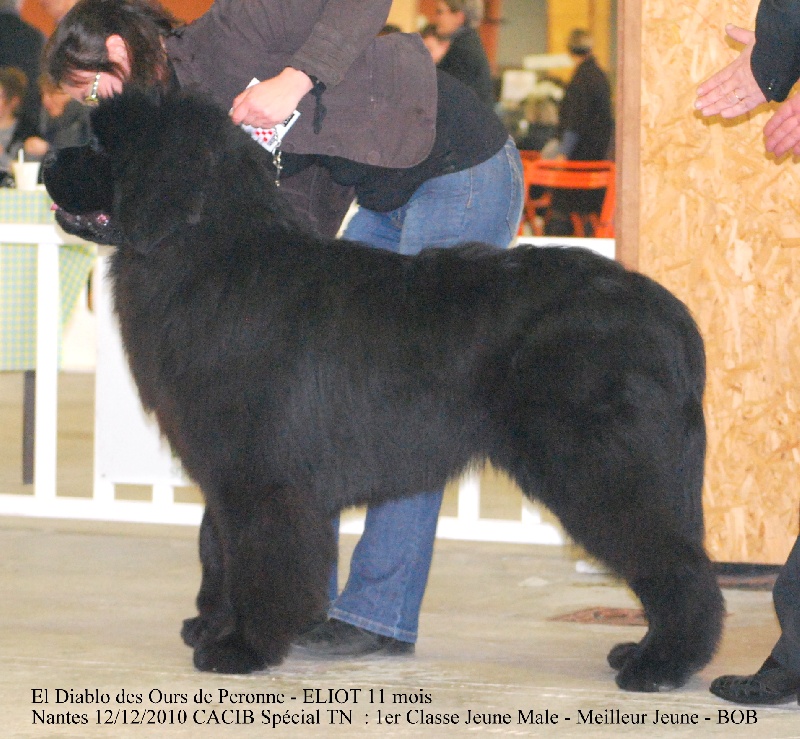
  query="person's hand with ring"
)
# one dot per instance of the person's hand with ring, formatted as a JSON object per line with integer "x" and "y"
{"x": 733, "y": 90}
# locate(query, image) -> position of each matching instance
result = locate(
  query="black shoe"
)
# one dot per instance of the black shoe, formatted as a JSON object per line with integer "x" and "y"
{"x": 339, "y": 639}
{"x": 771, "y": 685}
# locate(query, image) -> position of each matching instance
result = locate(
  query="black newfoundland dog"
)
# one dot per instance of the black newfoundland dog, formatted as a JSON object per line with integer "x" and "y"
{"x": 295, "y": 376}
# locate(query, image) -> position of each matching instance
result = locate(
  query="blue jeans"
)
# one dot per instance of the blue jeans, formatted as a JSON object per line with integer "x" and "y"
{"x": 390, "y": 564}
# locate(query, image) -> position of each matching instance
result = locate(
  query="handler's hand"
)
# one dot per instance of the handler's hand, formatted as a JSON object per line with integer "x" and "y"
{"x": 733, "y": 90}
{"x": 782, "y": 131}
{"x": 271, "y": 101}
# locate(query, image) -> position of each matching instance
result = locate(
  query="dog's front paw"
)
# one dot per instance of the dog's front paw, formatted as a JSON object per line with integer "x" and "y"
{"x": 193, "y": 631}
{"x": 620, "y": 654}
{"x": 229, "y": 656}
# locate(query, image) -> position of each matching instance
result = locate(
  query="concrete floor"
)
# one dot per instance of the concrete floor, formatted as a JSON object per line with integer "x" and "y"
{"x": 94, "y": 609}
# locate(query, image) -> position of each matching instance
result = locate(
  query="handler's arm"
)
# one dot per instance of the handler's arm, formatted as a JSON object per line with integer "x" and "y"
{"x": 341, "y": 33}
{"x": 775, "y": 59}
{"x": 344, "y": 30}
{"x": 765, "y": 70}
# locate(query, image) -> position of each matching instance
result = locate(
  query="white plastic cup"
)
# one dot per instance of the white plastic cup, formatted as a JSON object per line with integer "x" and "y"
{"x": 26, "y": 174}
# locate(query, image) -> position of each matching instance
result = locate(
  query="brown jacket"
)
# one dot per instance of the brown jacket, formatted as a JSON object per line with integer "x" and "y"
{"x": 381, "y": 92}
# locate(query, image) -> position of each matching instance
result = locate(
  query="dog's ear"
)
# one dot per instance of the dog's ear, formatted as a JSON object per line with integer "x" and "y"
{"x": 151, "y": 211}
{"x": 123, "y": 117}
{"x": 168, "y": 180}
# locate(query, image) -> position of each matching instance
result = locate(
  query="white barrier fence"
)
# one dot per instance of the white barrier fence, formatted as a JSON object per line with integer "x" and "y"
{"x": 128, "y": 450}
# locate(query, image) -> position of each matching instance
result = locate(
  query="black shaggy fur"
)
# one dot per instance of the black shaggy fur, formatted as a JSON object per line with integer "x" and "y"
{"x": 295, "y": 376}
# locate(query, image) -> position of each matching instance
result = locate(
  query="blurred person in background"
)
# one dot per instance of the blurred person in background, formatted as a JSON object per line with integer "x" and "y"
{"x": 465, "y": 59}
{"x": 64, "y": 122}
{"x": 585, "y": 120}
{"x": 539, "y": 125}
{"x": 21, "y": 47}
{"x": 434, "y": 43}
{"x": 585, "y": 128}
{"x": 14, "y": 128}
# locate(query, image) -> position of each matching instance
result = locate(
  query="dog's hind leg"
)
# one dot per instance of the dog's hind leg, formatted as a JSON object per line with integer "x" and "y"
{"x": 685, "y": 514}
{"x": 623, "y": 508}
{"x": 670, "y": 574}
{"x": 278, "y": 554}
{"x": 674, "y": 580}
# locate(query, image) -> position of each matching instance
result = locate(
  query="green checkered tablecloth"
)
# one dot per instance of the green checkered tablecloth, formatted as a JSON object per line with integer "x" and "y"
{"x": 18, "y": 278}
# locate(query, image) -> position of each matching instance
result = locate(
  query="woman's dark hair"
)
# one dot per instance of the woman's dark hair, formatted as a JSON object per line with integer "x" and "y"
{"x": 79, "y": 41}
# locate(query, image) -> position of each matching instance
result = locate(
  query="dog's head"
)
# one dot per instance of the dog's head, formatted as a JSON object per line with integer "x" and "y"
{"x": 149, "y": 170}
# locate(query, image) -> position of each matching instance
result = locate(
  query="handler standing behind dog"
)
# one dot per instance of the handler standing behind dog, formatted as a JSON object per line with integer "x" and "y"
{"x": 766, "y": 69}
{"x": 429, "y": 163}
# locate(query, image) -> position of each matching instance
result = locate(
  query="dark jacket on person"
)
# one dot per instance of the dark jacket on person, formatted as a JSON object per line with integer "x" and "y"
{"x": 21, "y": 46}
{"x": 775, "y": 61}
{"x": 467, "y": 134}
{"x": 380, "y": 93}
{"x": 466, "y": 60}
{"x": 586, "y": 111}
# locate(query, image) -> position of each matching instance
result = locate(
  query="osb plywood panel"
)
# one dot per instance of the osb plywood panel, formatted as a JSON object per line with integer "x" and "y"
{"x": 720, "y": 226}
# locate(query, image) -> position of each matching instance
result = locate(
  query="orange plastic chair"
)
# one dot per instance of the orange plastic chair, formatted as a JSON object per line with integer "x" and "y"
{"x": 570, "y": 175}
{"x": 530, "y": 205}
{"x": 529, "y": 156}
